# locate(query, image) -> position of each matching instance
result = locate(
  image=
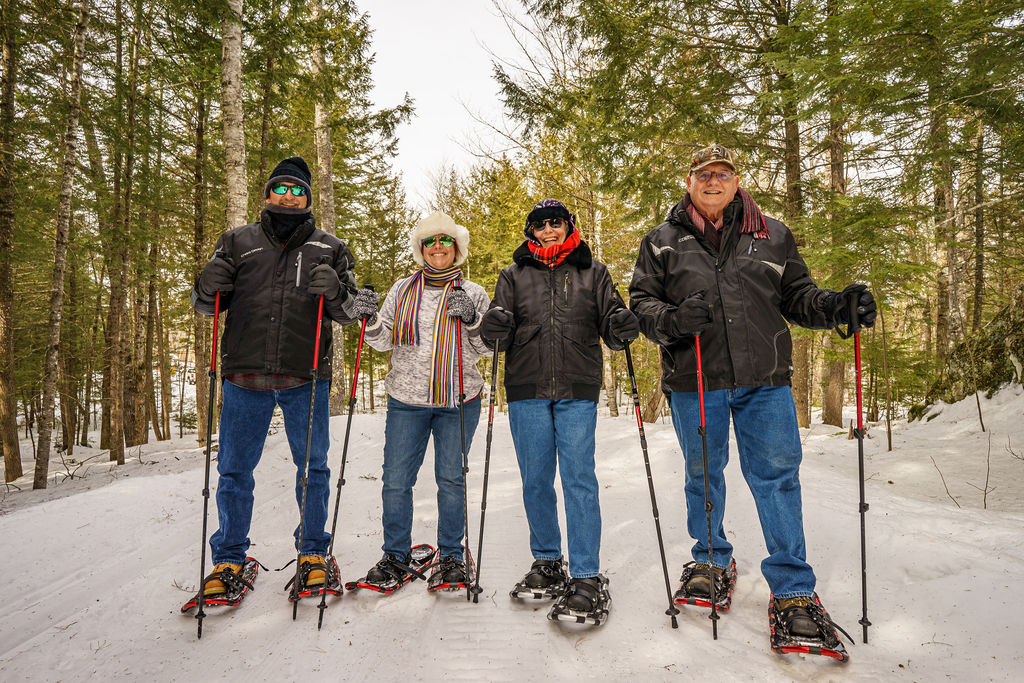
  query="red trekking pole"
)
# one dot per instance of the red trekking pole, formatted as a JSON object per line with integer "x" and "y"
{"x": 708, "y": 505}
{"x": 201, "y": 614}
{"x": 344, "y": 454}
{"x": 305, "y": 472}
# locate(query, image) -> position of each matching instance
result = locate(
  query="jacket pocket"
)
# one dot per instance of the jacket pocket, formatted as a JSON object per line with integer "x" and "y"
{"x": 522, "y": 362}
{"x": 582, "y": 352}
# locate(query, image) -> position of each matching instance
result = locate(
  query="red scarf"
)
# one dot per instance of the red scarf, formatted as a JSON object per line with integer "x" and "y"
{"x": 556, "y": 253}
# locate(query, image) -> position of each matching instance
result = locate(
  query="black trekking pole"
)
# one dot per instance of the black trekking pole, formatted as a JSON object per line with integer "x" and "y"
{"x": 462, "y": 431}
{"x": 487, "y": 466}
{"x": 344, "y": 454}
{"x": 672, "y": 610}
{"x": 854, "y": 329}
{"x": 708, "y": 505}
{"x": 201, "y": 614}
{"x": 305, "y": 470}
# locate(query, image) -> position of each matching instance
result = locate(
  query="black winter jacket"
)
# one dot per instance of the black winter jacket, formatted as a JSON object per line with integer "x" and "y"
{"x": 271, "y": 328}
{"x": 559, "y": 312}
{"x": 753, "y": 285}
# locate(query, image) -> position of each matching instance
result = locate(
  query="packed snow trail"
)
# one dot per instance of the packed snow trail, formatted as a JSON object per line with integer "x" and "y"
{"x": 95, "y": 574}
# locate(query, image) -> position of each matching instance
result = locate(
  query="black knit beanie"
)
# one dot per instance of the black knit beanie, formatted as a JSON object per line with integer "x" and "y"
{"x": 547, "y": 209}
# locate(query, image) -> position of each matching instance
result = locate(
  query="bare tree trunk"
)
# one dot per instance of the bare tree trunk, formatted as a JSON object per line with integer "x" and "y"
{"x": 979, "y": 225}
{"x": 87, "y": 393}
{"x": 611, "y": 382}
{"x": 268, "y": 87}
{"x": 325, "y": 181}
{"x": 199, "y": 258}
{"x": 60, "y": 251}
{"x": 8, "y": 387}
{"x": 151, "y": 332}
{"x": 164, "y": 416}
{"x": 231, "y": 112}
{"x": 835, "y": 375}
{"x": 794, "y": 208}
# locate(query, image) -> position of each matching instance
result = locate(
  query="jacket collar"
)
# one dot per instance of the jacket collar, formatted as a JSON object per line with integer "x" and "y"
{"x": 581, "y": 257}
{"x": 298, "y": 237}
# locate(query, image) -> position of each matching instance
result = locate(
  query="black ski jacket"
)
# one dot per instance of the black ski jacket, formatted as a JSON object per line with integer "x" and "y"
{"x": 753, "y": 285}
{"x": 271, "y": 328}
{"x": 559, "y": 312}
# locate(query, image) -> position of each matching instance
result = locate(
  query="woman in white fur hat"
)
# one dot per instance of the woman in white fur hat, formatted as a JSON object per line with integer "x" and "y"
{"x": 417, "y": 324}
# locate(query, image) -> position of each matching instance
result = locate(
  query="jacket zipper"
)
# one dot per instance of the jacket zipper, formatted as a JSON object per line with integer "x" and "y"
{"x": 298, "y": 268}
{"x": 552, "y": 309}
{"x": 565, "y": 290}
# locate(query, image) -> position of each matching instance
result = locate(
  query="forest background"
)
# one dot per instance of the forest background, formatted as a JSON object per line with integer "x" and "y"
{"x": 887, "y": 134}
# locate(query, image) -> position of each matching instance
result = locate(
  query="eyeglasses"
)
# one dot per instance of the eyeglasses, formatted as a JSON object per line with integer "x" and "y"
{"x": 555, "y": 223}
{"x": 723, "y": 176}
{"x": 297, "y": 190}
{"x": 445, "y": 240}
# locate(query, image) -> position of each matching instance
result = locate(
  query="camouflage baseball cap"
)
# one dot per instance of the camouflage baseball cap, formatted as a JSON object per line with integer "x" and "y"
{"x": 713, "y": 154}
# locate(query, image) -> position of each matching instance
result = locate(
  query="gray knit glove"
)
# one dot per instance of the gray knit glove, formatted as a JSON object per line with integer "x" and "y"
{"x": 461, "y": 306}
{"x": 365, "y": 305}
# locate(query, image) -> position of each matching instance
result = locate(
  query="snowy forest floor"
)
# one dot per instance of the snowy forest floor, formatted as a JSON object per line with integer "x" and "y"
{"x": 96, "y": 567}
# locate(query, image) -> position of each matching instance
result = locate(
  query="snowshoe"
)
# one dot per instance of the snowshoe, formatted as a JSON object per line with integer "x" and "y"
{"x": 546, "y": 579}
{"x": 695, "y": 586}
{"x": 317, "y": 575}
{"x": 231, "y": 585}
{"x": 802, "y": 625}
{"x": 584, "y": 601}
{"x": 451, "y": 574}
{"x": 389, "y": 574}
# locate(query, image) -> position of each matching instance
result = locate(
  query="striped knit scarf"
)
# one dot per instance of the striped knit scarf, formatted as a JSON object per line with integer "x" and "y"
{"x": 753, "y": 219}
{"x": 556, "y": 253}
{"x": 444, "y": 390}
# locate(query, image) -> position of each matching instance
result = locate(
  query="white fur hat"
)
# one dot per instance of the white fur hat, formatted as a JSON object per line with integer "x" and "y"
{"x": 439, "y": 223}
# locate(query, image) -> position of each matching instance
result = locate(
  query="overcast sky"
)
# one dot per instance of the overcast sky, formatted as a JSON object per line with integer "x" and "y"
{"x": 437, "y": 51}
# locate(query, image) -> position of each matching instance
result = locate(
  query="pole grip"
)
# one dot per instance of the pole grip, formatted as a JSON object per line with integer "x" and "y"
{"x": 854, "y": 304}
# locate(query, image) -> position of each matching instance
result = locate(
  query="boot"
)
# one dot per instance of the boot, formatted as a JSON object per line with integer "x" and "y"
{"x": 316, "y": 577}
{"x": 214, "y": 585}
{"x": 584, "y": 595}
{"x": 794, "y": 614}
{"x": 699, "y": 584}
{"x": 388, "y": 570}
{"x": 545, "y": 573}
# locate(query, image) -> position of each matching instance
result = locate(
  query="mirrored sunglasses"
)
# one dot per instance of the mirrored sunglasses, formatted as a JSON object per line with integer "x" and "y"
{"x": 297, "y": 190}
{"x": 445, "y": 240}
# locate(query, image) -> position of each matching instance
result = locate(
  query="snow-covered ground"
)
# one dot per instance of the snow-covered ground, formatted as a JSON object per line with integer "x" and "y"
{"x": 95, "y": 568}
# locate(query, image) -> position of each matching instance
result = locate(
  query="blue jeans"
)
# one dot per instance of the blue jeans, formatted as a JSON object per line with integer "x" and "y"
{"x": 768, "y": 441}
{"x": 546, "y": 433}
{"x": 244, "y": 420}
{"x": 405, "y": 442}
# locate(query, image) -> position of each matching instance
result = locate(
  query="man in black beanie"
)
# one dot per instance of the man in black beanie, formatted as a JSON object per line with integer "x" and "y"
{"x": 271, "y": 274}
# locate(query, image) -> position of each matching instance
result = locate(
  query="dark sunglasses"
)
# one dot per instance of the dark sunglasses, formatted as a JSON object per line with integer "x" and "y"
{"x": 297, "y": 190}
{"x": 556, "y": 224}
{"x": 445, "y": 240}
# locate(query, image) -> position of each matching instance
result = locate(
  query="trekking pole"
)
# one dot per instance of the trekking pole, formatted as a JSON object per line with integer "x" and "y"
{"x": 462, "y": 431}
{"x": 708, "y": 505}
{"x": 344, "y": 454}
{"x": 305, "y": 470}
{"x": 672, "y": 610}
{"x": 487, "y": 466}
{"x": 854, "y": 329}
{"x": 201, "y": 614}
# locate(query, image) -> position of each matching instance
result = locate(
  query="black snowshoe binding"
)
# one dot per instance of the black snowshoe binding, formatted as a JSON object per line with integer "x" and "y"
{"x": 695, "y": 586}
{"x": 389, "y": 574}
{"x": 584, "y": 601}
{"x": 331, "y": 583}
{"x": 546, "y": 579}
{"x": 236, "y": 586}
{"x": 451, "y": 574}
{"x": 802, "y": 625}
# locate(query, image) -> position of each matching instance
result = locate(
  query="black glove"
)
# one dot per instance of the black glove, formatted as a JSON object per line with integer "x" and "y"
{"x": 623, "y": 325}
{"x": 497, "y": 324}
{"x": 365, "y": 305}
{"x": 218, "y": 276}
{"x": 690, "y": 317}
{"x": 867, "y": 310}
{"x": 324, "y": 280}
{"x": 461, "y": 306}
